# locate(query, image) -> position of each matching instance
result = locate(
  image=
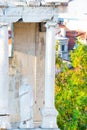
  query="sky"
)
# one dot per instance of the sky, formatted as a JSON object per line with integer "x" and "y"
{"x": 78, "y": 6}
{"x": 77, "y": 15}
{"x": 77, "y": 9}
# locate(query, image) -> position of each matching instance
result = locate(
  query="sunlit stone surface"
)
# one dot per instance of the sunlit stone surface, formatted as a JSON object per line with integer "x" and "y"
{"x": 30, "y": 11}
{"x": 26, "y": 105}
{"x": 49, "y": 112}
{"x": 4, "y": 113}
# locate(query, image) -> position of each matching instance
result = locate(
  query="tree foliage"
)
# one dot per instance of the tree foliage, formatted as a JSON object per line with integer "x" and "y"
{"x": 71, "y": 91}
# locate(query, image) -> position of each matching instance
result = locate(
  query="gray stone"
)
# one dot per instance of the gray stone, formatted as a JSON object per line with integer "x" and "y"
{"x": 26, "y": 104}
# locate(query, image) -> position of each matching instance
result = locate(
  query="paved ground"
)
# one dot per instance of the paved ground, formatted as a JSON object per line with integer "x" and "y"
{"x": 35, "y": 129}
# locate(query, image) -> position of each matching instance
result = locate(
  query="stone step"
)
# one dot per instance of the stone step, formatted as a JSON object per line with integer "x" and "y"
{"x": 36, "y": 129}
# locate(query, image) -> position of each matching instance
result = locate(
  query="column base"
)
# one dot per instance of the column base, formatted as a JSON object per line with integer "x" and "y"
{"x": 4, "y": 122}
{"x": 49, "y": 116}
{"x": 27, "y": 124}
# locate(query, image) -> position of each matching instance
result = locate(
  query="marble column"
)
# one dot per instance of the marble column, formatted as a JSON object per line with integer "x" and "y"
{"x": 4, "y": 114}
{"x": 49, "y": 113}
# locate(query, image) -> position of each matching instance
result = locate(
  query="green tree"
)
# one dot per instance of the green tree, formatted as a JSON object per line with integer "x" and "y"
{"x": 71, "y": 91}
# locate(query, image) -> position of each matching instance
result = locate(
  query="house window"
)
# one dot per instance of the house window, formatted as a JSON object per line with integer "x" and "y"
{"x": 63, "y": 47}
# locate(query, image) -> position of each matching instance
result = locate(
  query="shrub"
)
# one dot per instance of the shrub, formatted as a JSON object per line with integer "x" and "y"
{"x": 71, "y": 91}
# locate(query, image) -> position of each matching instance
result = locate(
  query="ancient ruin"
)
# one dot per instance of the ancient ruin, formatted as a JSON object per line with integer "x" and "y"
{"x": 33, "y": 35}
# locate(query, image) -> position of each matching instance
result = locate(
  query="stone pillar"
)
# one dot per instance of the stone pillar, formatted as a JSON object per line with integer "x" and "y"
{"x": 4, "y": 113}
{"x": 49, "y": 113}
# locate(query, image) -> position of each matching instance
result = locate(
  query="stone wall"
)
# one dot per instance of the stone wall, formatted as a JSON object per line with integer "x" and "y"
{"x": 40, "y": 74}
{"x": 29, "y": 53}
{"x": 14, "y": 83}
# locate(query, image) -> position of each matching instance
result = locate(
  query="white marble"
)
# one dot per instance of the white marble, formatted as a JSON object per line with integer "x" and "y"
{"x": 36, "y": 129}
{"x": 26, "y": 105}
{"x": 38, "y": 14}
{"x": 49, "y": 113}
{"x": 28, "y": 14}
{"x": 59, "y": 1}
{"x": 29, "y": 11}
{"x": 4, "y": 113}
{"x": 19, "y": 2}
{"x": 14, "y": 11}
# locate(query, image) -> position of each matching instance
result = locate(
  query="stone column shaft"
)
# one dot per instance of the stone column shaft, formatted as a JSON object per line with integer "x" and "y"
{"x": 4, "y": 122}
{"x": 50, "y": 66}
{"x": 49, "y": 113}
